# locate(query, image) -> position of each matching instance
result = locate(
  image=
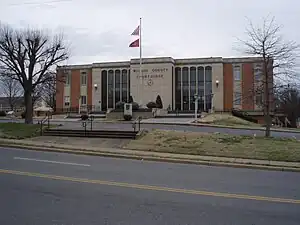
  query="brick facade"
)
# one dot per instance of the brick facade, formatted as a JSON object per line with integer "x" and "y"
{"x": 247, "y": 83}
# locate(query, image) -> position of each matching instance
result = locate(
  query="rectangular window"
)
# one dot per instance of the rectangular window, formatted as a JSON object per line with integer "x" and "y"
{"x": 83, "y": 100}
{"x": 83, "y": 79}
{"x": 237, "y": 73}
{"x": 67, "y": 100}
{"x": 68, "y": 79}
{"x": 258, "y": 99}
{"x": 257, "y": 72}
{"x": 237, "y": 98}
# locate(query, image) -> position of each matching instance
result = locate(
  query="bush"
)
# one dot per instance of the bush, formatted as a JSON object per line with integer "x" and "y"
{"x": 159, "y": 102}
{"x": 84, "y": 117}
{"x": 120, "y": 105}
{"x": 135, "y": 106}
{"x": 2, "y": 113}
{"x": 23, "y": 115}
{"x": 243, "y": 116}
{"x": 151, "y": 105}
{"x": 130, "y": 99}
{"x": 127, "y": 117}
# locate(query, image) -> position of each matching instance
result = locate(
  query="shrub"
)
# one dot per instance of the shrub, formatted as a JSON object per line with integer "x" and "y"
{"x": 151, "y": 105}
{"x": 120, "y": 105}
{"x": 135, "y": 106}
{"x": 84, "y": 117}
{"x": 243, "y": 116}
{"x": 2, "y": 113}
{"x": 159, "y": 102}
{"x": 130, "y": 100}
{"x": 127, "y": 117}
{"x": 23, "y": 115}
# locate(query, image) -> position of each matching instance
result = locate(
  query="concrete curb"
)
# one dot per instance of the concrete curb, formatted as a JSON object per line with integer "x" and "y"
{"x": 138, "y": 156}
{"x": 219, "y": 126}
{"x": 205, "y": 125}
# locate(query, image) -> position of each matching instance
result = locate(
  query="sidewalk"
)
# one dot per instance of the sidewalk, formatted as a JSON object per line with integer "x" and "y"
{"x": 154, "y": 156}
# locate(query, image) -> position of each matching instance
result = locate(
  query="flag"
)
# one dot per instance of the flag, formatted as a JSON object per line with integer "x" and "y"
{"x": 136, "y": 32}
{"x": 135, "y": 44}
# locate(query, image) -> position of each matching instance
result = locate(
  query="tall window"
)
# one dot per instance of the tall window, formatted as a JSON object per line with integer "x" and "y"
{"x": 177, "y": 88}
{"x": 200, "y": 84}
{"x": 83, "y": 100}
{"x": 237, "y": 73}
{"x": 67, "y": 101}
{"x": 257, "y": 72}
{"x": 104, "y": 90}
{"x": 83, "y": 78}
{"x": 185, "y": 88}
{"x": 110, "y": 88}
{"x": 193, "y": 87}
{"x": 124, "y": 86}
{"x": 68, "y": 78}
{"x": 208, "y": 87}
{"x": 237, "y": 98}
{"x": 117, "y": 86}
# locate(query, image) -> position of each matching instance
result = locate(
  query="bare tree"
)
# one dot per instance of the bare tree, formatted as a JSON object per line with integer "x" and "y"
{"x": 12, "y": 90}
{"x": 47, "y": 92}
{"x": 28, "y": 56}
{"x": 278, "y": 61}
{"x": 288, "y": 101}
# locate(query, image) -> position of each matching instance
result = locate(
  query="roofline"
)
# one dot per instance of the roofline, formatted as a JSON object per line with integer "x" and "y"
{"x": 133, "y": 61}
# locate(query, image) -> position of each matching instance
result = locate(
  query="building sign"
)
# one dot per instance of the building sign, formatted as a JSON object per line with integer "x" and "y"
{"x": 150, "y": 74}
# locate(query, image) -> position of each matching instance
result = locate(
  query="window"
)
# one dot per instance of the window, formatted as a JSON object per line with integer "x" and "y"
{"x": 68, "y": 79}
{"x": 124, "y": 88}
{"x": 178, "y": 88}
{"x": 208, "y": 88}
{"x": 67, "y": 100}
{"x": 193, "y": 86}
{"x": 110, "y": 88}
{"x": 258, "y": 99}
{"x": 257, "y": 72}
{"x": 200, "y": 78}
{"x": 117, "y": 86}
{"x": 237, "y": 73}
{"x": 103, "y": 90}
{"x": 83, "y": 100}
{"x": 185, "y": 88}
{"x": 237, "y": 98}
{"x": 83, "y": 78}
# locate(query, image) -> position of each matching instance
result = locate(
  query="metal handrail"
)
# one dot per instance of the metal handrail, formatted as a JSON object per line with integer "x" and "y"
{"x": 137, "y": 121}
{"x": 43, "y": 121}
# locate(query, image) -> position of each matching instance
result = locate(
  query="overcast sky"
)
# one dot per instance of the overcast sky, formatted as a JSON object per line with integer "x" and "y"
{"x": 99, "y": 30}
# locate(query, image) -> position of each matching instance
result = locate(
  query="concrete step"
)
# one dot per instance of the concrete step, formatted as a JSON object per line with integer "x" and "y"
{"x": 92, "y": 134}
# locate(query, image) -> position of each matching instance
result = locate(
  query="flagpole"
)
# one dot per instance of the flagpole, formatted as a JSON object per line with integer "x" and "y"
{"x": 140, "y": 44}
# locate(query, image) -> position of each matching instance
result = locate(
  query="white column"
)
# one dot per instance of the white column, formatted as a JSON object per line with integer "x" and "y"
{"x": 181, "y": 91}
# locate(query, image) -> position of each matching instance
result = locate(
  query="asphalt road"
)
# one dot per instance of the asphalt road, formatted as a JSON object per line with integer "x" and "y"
{"x": 128, "y": 126}
{"x": 50, "y": 188}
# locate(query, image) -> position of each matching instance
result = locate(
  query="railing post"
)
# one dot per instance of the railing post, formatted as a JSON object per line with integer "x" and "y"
{"x": 41, "y": 132}
{"x": 48, "y": 120}
{"x": 139, "y": 119}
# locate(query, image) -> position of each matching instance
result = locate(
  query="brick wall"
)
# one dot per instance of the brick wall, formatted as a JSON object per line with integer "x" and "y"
{"x": 247, "y": 87}
{"x": 59, "y": 89}
{"x": 228, "y": 86}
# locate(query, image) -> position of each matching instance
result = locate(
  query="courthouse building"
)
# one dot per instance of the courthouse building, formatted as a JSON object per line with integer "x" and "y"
{"x": 220, "y": 83}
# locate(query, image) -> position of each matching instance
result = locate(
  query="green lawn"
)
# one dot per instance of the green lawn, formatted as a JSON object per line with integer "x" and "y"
{"x": 277, "y": 149}
{"x": 19, "y": 130}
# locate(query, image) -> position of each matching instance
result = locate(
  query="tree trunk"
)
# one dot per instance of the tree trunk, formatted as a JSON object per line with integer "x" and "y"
{"x": 268, "y": 119}
{"x": 28, "y": 107}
